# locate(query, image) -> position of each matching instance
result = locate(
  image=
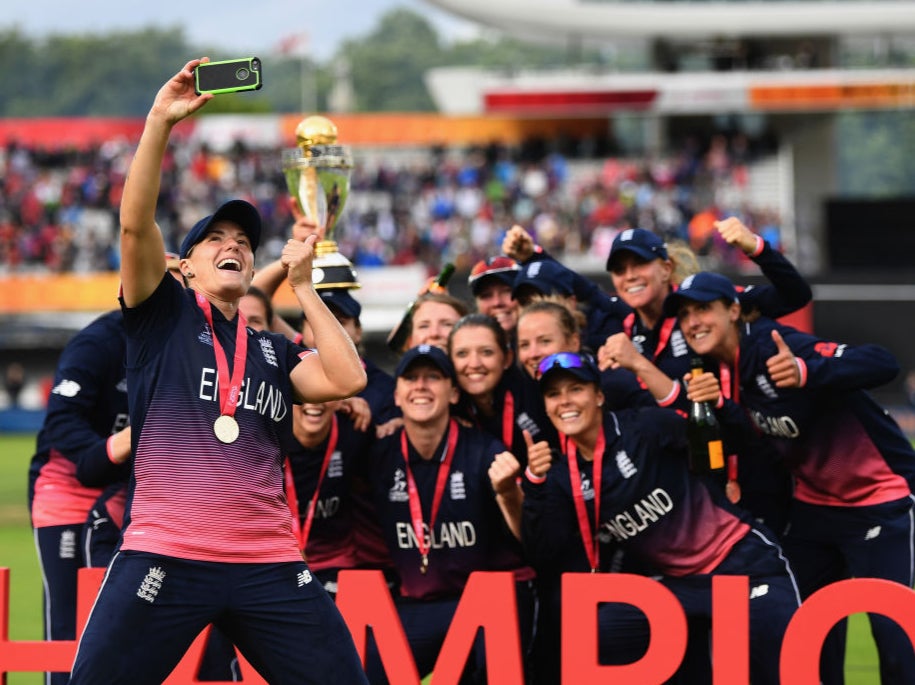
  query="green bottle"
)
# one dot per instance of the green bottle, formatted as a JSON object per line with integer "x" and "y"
{"x": 703, "y": 432}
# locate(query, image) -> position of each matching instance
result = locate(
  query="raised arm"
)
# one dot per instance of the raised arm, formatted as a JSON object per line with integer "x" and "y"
{"x": 269, "y": 278}
{"x": 336, "y": 371}
{"x": 788, "y": 292}
{"x": 142, "y": 246}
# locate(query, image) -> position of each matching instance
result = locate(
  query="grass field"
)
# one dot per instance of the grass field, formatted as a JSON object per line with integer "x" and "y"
{"x": 17, "y": 552}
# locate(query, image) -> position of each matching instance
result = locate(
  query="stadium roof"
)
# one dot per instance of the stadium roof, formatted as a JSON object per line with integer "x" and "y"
{"x": 596, "y": 19}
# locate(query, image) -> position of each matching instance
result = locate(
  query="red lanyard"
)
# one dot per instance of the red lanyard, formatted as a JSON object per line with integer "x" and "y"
{"x": 667, "y": 328}
{"x": 416, "y": 510}
{"x": 302, "y": 532}
{"x": 729, "y": 388}
{"x": 508, "y": 419}
{"x": 724, "y": 373}
{"x": 589, "y": 537}
{"x": 229, "y": 390}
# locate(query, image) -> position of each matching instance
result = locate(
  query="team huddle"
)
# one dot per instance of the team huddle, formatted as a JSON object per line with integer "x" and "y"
{"x": 539, "y": 429}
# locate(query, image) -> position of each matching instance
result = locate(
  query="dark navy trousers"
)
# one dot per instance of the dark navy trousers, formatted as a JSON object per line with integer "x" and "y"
{"x": 150, "y": 608}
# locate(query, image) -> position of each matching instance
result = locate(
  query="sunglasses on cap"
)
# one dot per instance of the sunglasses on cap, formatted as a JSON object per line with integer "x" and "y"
{"x": 560, "y": 360}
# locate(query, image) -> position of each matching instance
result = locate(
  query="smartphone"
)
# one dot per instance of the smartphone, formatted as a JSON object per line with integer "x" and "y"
{"x": 228, "y": 76}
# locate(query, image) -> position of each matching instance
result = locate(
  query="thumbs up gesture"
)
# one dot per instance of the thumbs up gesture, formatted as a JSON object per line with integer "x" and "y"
{"x": 539, "y": 455}
{"x": 783, "y": 368}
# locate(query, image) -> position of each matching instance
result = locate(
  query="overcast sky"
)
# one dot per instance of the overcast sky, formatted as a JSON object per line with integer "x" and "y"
{"x": 245, "y": 26}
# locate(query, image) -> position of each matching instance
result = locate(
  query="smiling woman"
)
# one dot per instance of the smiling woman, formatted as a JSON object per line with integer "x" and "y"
{"x": 624, "y": 488}
{"x": 449, "y": 504}
{"x": 213, "y": 456}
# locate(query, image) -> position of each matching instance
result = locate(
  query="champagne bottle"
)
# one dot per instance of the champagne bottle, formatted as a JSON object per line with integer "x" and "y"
{"x": 398, "y": 336}
{"x": 706, "y": 453}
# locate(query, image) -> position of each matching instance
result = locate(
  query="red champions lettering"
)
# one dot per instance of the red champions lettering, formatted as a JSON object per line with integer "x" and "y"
{"x": 488, "y": 602}
{"x": 581, "y": 594}
{"x": 826, "y": 349}
{"x": 800, "y": 658}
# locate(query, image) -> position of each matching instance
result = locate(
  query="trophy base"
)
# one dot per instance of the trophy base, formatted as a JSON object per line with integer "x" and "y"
{"x": 331, "y": 269}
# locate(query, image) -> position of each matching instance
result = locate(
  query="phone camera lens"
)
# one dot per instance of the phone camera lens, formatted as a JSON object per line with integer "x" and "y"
{"x": 242, "y": 74}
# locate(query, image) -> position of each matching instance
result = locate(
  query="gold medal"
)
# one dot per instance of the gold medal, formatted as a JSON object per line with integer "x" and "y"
{"x": 226, "y": 429}
{"x": 424, "y": 566}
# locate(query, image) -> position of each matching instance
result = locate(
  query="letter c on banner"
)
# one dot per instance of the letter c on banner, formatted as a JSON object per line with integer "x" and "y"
{"x": 800, "y": 659}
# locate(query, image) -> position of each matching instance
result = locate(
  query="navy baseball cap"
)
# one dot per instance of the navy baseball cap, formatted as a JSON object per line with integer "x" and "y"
{"x": 342, "y": 301}
{"x": 435, "y": 355}
{"x": 643, "y": 243}
{"x": 704, "y": 286}
{"x": 239, "y": 212}
{"x": 581, "y": 366}
{"x": 543, "y": 277}
{"x": 503, "y": 269}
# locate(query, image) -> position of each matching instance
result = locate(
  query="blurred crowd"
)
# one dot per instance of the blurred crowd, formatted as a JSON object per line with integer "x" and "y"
{"x": 58, "y": 210}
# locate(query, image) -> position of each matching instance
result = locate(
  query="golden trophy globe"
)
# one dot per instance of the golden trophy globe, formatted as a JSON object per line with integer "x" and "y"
{"x": 317, "y": 174}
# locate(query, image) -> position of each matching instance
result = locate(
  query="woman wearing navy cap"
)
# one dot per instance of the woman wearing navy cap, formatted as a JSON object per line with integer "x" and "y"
{"x": 545, "y": 327}
{"x": 209, "y": 538}
{"x": 623, "y": 483}
{"x": 449, "y": 504}
{"x": 652, "y": 345}
{"x": 491, "y": 282}
{"x": 853, "y": 468}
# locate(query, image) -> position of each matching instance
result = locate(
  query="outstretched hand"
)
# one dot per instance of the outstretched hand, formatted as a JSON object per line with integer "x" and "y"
{"x": 518, "y": 244}
{"x": 736, "y": 233}
{"x": 782, "y": 367}
{"x": 177, "y": 98}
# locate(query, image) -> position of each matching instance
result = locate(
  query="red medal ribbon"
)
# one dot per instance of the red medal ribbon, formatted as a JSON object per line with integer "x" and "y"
{"x": 508, "y": 419}
{"x": 592, "y": 547}
{"x": 229, "y": 390}
{"x": 416, "y": 511}
{"x": 667, "y": 329}
{"x": 302, "y": 531}
{"x": 730, "y": 387}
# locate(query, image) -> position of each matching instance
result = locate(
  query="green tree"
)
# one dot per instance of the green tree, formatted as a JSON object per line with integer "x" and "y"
{"x": 387, "y": 66}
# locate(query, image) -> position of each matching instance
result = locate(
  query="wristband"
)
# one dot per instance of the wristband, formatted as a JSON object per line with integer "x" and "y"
{"x": 536, "y": 480}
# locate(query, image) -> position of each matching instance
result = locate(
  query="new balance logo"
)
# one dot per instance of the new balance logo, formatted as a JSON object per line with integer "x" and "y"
{"x": 759, "y": 591}
{"x": 873, "y": 533}
{"x": 303, "y": 578}
{"x": 152, "y": 583}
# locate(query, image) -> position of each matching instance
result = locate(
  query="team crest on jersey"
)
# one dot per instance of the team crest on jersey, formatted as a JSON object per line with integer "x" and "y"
{"x": 398, "y": 491}
{"x": 587, "y": 489}
{"x": 763, "y": 383}
{"x": 625, "y": 465}
{"x": 206, "y": 335}
{"x": 678, "y": 346}
{"x": 268, "y": 351}
{"x": 67, "y": 388}
{"x": 638, "y": 342}
{"x": 458, "y": 491}
{"x": 335, "y": 467}
{"x": 525, "y": 422}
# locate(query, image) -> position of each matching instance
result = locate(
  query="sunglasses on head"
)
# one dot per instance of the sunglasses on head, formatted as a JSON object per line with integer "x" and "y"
{"x": 560, "y": 360}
